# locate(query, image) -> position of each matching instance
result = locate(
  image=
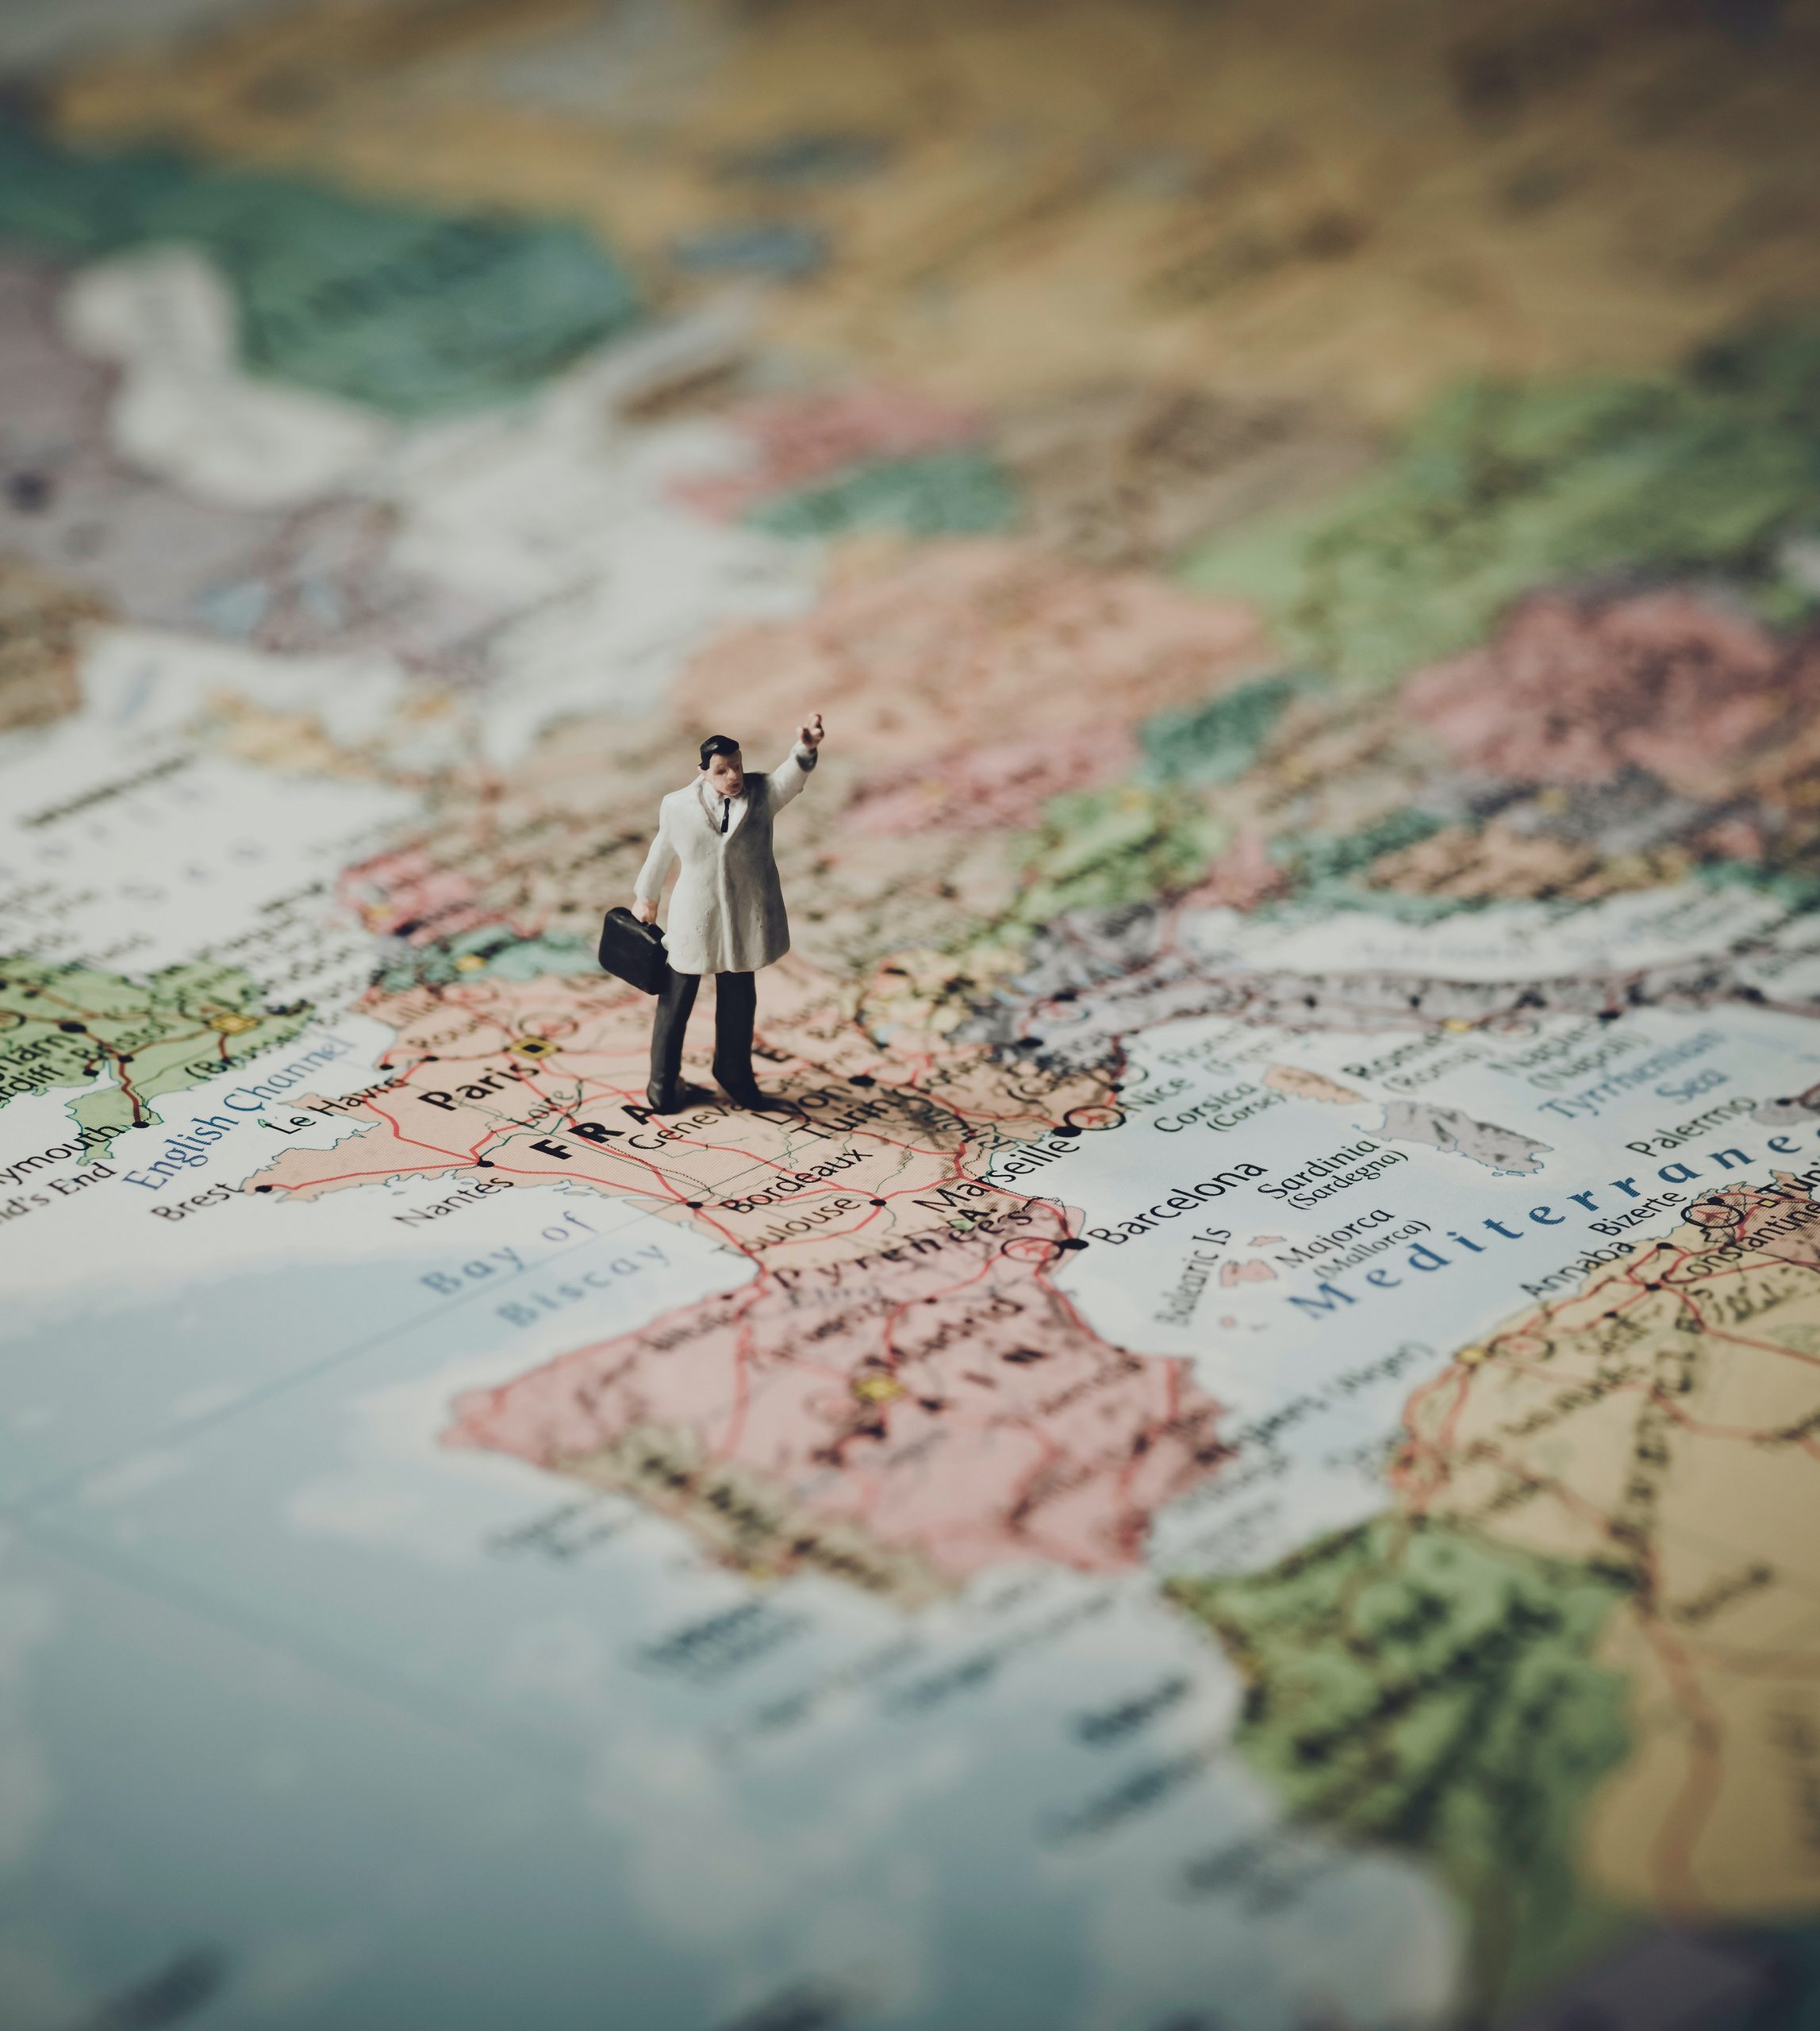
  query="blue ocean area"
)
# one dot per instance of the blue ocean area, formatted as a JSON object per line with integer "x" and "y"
{"x": 334, "y": 1725}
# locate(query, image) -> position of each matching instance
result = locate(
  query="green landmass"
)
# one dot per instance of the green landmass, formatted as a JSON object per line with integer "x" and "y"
{"x": 1103, "y": 848}
{"x": 61, "y": 1025}
{"x": 1503, "y": 488}
{"x": 1215, "y": 743}
{"x": 1320, "y": 862}
{"x": 1411, "y": 1684}
{"x": 416, "y": 311}
{"x": 959, "y": 492}
{"x": 1788, "y": 876}
{"x": 1155, "y": 833}
{"x": 1390, "y": 905}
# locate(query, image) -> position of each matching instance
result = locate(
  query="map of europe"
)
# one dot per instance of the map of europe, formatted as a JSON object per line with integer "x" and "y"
{"x": 1242, "y": 1453}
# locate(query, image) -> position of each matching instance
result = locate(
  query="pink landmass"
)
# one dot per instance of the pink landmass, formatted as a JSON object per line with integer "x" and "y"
{"x": 408, "y": 894}
{"x": 1736, "y": 838}
{"x": 1242, "y": 877}
{"x": 1256, "y": 1271}
{"x": 1266, "y": 1241}
{"x": 976, "y": 644}
{"x": 542, "y": 1082}
{"x": 938, "y": 1401}
{"x": 996, "y": 789}
{"x": 1574, "y": 691}
{"x": 798, "y": 440}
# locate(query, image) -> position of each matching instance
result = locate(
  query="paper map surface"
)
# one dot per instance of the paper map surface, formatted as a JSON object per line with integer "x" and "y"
{"x": 1246, "y": 1456}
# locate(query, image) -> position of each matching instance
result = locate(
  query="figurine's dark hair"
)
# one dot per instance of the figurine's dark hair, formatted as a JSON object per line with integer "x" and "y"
{"x": 718, "y": 743}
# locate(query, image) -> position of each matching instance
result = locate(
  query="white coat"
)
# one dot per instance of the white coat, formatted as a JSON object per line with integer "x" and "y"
{"x": 727, "y": 915}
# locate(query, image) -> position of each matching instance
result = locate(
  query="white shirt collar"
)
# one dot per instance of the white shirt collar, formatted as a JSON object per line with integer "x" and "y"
{"x": 710, "y": 802}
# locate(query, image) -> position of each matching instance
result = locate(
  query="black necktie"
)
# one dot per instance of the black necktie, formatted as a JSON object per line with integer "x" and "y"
{"x": 726, "y": 808}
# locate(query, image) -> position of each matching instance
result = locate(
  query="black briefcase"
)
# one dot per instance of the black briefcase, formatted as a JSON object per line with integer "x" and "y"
{"x": 633, "y": 950}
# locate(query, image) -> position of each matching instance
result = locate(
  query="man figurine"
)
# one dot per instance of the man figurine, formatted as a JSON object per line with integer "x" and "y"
{"x": 727, "y": 916}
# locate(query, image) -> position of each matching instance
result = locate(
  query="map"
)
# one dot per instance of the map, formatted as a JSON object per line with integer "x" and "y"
{"x": 1244, "y": 1453}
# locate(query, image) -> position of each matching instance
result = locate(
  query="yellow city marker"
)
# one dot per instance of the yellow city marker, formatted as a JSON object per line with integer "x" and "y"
{"x": 469, "y": 962}
{"x": 877, "y": 1389}
{"x": 231, "y": 1025}
{"x": 1458, "y": 1023}
{"x": 1472, "y": 1356}
{"x": 530, "y": 1047}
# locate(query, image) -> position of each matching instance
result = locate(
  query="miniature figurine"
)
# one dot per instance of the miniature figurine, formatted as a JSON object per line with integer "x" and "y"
{"x": 727, "y": 916}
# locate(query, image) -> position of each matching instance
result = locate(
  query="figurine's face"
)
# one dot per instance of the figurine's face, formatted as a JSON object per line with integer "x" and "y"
{"x": 727, "y": 775}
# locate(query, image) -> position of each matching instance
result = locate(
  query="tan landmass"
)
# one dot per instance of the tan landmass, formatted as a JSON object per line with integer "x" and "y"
{"x": 542, "y": 1082}
{"x": 1663, "y": 1425}
{"x": 903, "y": 1420}
{"x": 1279, "y": 200}
{"x": 1500, "y": 862}
{"x": 40, "y": 628}
{"x": 1124, "y": 475}
{"x": 1301, "y": 1086}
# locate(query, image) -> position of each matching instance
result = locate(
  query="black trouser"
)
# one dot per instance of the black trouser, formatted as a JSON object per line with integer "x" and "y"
{"x": 735, "y": 1003}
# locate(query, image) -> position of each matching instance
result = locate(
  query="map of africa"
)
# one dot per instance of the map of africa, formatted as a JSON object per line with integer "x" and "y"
{"x": 1244, "y": 1455}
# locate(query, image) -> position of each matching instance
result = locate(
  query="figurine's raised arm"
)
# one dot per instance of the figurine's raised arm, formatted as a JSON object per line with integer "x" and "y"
{"x": 788, "y": 778}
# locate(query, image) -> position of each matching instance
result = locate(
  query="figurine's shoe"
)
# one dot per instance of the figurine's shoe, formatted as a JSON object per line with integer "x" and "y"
{"x": 677, "y": 1099}
{"x": 744, "y": 1091}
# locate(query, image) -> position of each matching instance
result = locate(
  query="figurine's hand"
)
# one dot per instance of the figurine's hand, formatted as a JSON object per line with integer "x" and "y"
{"x": 645, "y": 912}
{"x": 811, "y": 734}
